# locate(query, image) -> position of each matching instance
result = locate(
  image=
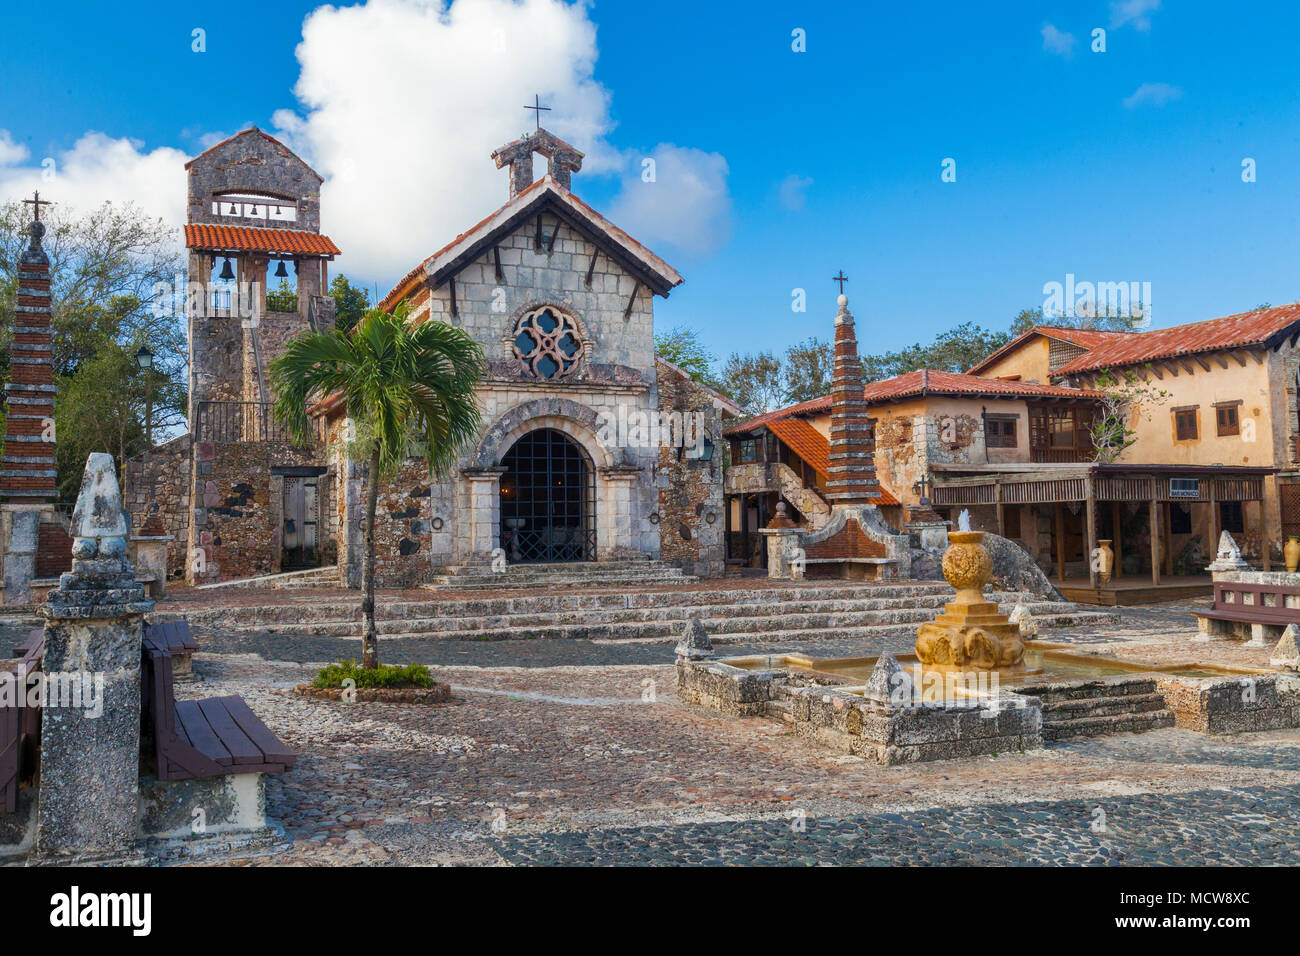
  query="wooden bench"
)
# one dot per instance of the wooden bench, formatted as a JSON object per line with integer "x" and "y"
{"x": 20, "y": 727}
{"x": 189, "y": 739}
{"x": 179, "y": 640}
{"x": 1261, "y": 606}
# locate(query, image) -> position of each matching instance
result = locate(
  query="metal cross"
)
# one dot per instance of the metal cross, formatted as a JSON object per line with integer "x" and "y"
{"x": 37, "y": 202}
{"x": 841, "y": 279}
{"x": 923, "y": 486}
{"x": 538, "y": 108}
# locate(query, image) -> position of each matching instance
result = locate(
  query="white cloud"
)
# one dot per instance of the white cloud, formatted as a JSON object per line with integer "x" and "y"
{"x": 99, "y": 168}
{"x": 399, "y": 106}
{"x": 11, "y": 153}
{"x": 1153, "y": 94}
{"x": 404, "y": 100}
{"x": 791, "y": 191}
{"x": 687, "y": 205}
{"x": 1136, "y": 12}
{"x": 1055, "y": 41}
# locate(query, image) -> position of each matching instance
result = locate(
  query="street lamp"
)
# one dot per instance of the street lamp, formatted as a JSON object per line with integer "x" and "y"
{"x": 144, "y": 362}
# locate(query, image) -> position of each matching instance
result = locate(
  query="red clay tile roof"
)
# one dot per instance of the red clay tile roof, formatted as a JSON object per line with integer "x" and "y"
{"x": 1084, "y": 338}
{"x": 921, "y": 382}
{"x": 814, "y": 406}
{"x": 812, "y": 446}
{"x": 928, "y": 381}
{"x": 254, "y": 239}
{"x": 1229, "y": 332}
{"x": 805, "y": 441}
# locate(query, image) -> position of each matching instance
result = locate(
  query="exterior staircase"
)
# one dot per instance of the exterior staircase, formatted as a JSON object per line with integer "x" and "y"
{"x": 635, "y": 573}
{"x": 326, "y": 577}
{"x": 734, "y": 614}
{"x": 1101, "y": 707}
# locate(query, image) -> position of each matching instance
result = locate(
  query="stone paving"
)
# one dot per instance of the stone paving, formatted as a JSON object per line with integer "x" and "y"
{"x": 572, "y": 752}
{"x": 576, "y": 752}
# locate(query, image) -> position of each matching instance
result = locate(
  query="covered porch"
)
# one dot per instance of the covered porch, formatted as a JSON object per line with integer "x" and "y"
{"x": 1159, "y": 523}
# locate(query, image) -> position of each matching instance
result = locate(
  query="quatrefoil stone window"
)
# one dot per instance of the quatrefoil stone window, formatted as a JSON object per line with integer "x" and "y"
{"x": 547, "y": 343}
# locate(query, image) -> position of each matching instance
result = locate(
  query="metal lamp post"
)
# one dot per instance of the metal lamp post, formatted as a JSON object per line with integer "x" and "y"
{"x": 144, "y": 362}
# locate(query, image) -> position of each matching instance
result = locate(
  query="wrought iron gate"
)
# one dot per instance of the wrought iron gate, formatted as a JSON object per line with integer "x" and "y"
{"x": 548, "y": 500}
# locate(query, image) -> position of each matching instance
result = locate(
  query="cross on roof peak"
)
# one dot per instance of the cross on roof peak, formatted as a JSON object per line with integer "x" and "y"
{"x": 36, "y": 202}
{"x": 538, "y": 108}
{"x": 841, "y": 279}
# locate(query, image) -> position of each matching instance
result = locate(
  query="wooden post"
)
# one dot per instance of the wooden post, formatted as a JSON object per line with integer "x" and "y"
{"x": 1169, "y": 529}
{"x": 1214, "y": 520}
{"x": 1060, "y": 541}
{"x": 1090, "y": 515}
{"x": 1155, "y": 541}
{"x": 1118, "y": 570}
{"x": 744, "y": 530}
{"x": 1263, "y": 534}
{"x": 1002, "y": 522}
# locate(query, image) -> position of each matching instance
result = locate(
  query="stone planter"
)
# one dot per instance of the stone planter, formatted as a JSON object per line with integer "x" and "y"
{"x": 437, "y": 694}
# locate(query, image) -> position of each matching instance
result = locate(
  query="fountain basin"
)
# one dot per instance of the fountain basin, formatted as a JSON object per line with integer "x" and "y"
{"x": 1043, "y": 664}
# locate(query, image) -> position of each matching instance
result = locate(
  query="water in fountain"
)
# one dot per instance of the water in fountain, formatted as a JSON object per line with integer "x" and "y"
{"x": 963, "y": 520}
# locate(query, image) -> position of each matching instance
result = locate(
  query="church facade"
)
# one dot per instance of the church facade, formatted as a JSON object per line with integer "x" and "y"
{"x": 591, "y": 449}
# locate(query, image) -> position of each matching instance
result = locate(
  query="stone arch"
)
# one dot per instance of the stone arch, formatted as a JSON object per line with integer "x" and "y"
{"x": 579, "y": 422}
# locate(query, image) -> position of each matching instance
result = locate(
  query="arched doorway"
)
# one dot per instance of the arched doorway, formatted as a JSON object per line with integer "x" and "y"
{"x": 548, "y": 499}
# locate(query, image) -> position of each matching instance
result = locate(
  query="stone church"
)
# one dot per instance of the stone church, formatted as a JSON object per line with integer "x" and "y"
{"x": 592, "y": 449}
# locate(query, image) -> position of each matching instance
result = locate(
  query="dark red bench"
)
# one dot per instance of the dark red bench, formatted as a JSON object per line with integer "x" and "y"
{"x": 20, "y": 727}
{"x": 201, "y": 738}
{"x": 1265, "y": 605}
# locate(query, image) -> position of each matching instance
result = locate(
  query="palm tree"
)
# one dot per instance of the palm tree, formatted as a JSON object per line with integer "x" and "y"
{"x": 401, "y": 382}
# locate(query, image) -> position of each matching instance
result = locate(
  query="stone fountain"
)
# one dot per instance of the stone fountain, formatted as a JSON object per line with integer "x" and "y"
{"x": 971, "y": 632}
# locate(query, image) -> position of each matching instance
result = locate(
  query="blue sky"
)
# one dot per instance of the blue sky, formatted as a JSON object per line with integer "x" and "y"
{"x": 1055, "y": 173}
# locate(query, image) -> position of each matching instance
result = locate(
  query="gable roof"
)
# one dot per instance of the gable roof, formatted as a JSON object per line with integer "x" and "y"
{"x": 267, "y": 136}
{"x": 1084, "y": 338}
{"x": 922, "y": 382}
{"x": 545, "y": 195}
{"x": 1244, "y": 329}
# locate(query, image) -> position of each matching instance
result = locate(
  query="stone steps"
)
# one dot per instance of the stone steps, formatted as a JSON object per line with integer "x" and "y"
{"x": 309, "y": 578}
{"x": 639, "y": 624}
{"x": 1095, "y": 708}
{"x": 731, "y": 616}
{"x": 613, "y": 573}
{"x": 1100, "y": 726}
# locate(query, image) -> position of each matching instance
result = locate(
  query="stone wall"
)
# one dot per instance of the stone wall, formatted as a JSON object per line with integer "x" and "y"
{"x": 690, "y": 491}
{"x": 239, "y": 506}
{"x": 158, "y": 482}
{"x": 833, "y": 717}
{"x": 1249, "y": 704}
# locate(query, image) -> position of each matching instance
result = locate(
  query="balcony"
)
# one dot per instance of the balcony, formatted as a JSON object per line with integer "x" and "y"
{"x": 238, "y": 422}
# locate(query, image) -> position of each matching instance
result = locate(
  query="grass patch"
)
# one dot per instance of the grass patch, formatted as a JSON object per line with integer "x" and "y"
{"x": 385, "y": 675}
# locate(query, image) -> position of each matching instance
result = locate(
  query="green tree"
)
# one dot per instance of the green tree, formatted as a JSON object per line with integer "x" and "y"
{"x": 753, "y": 381}
{"x": 283, "y": 299}
{"x": 682, "y": 347}
{"x": 350, "y": 302}
{"x": 809, "y": 370}
{"x": 102, "y": 407}
{"x": 1124, "y": 395}
{"x": 114, "y": 278}
{"x": 954, "y": 350}
{"x": 398, "y": 380}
